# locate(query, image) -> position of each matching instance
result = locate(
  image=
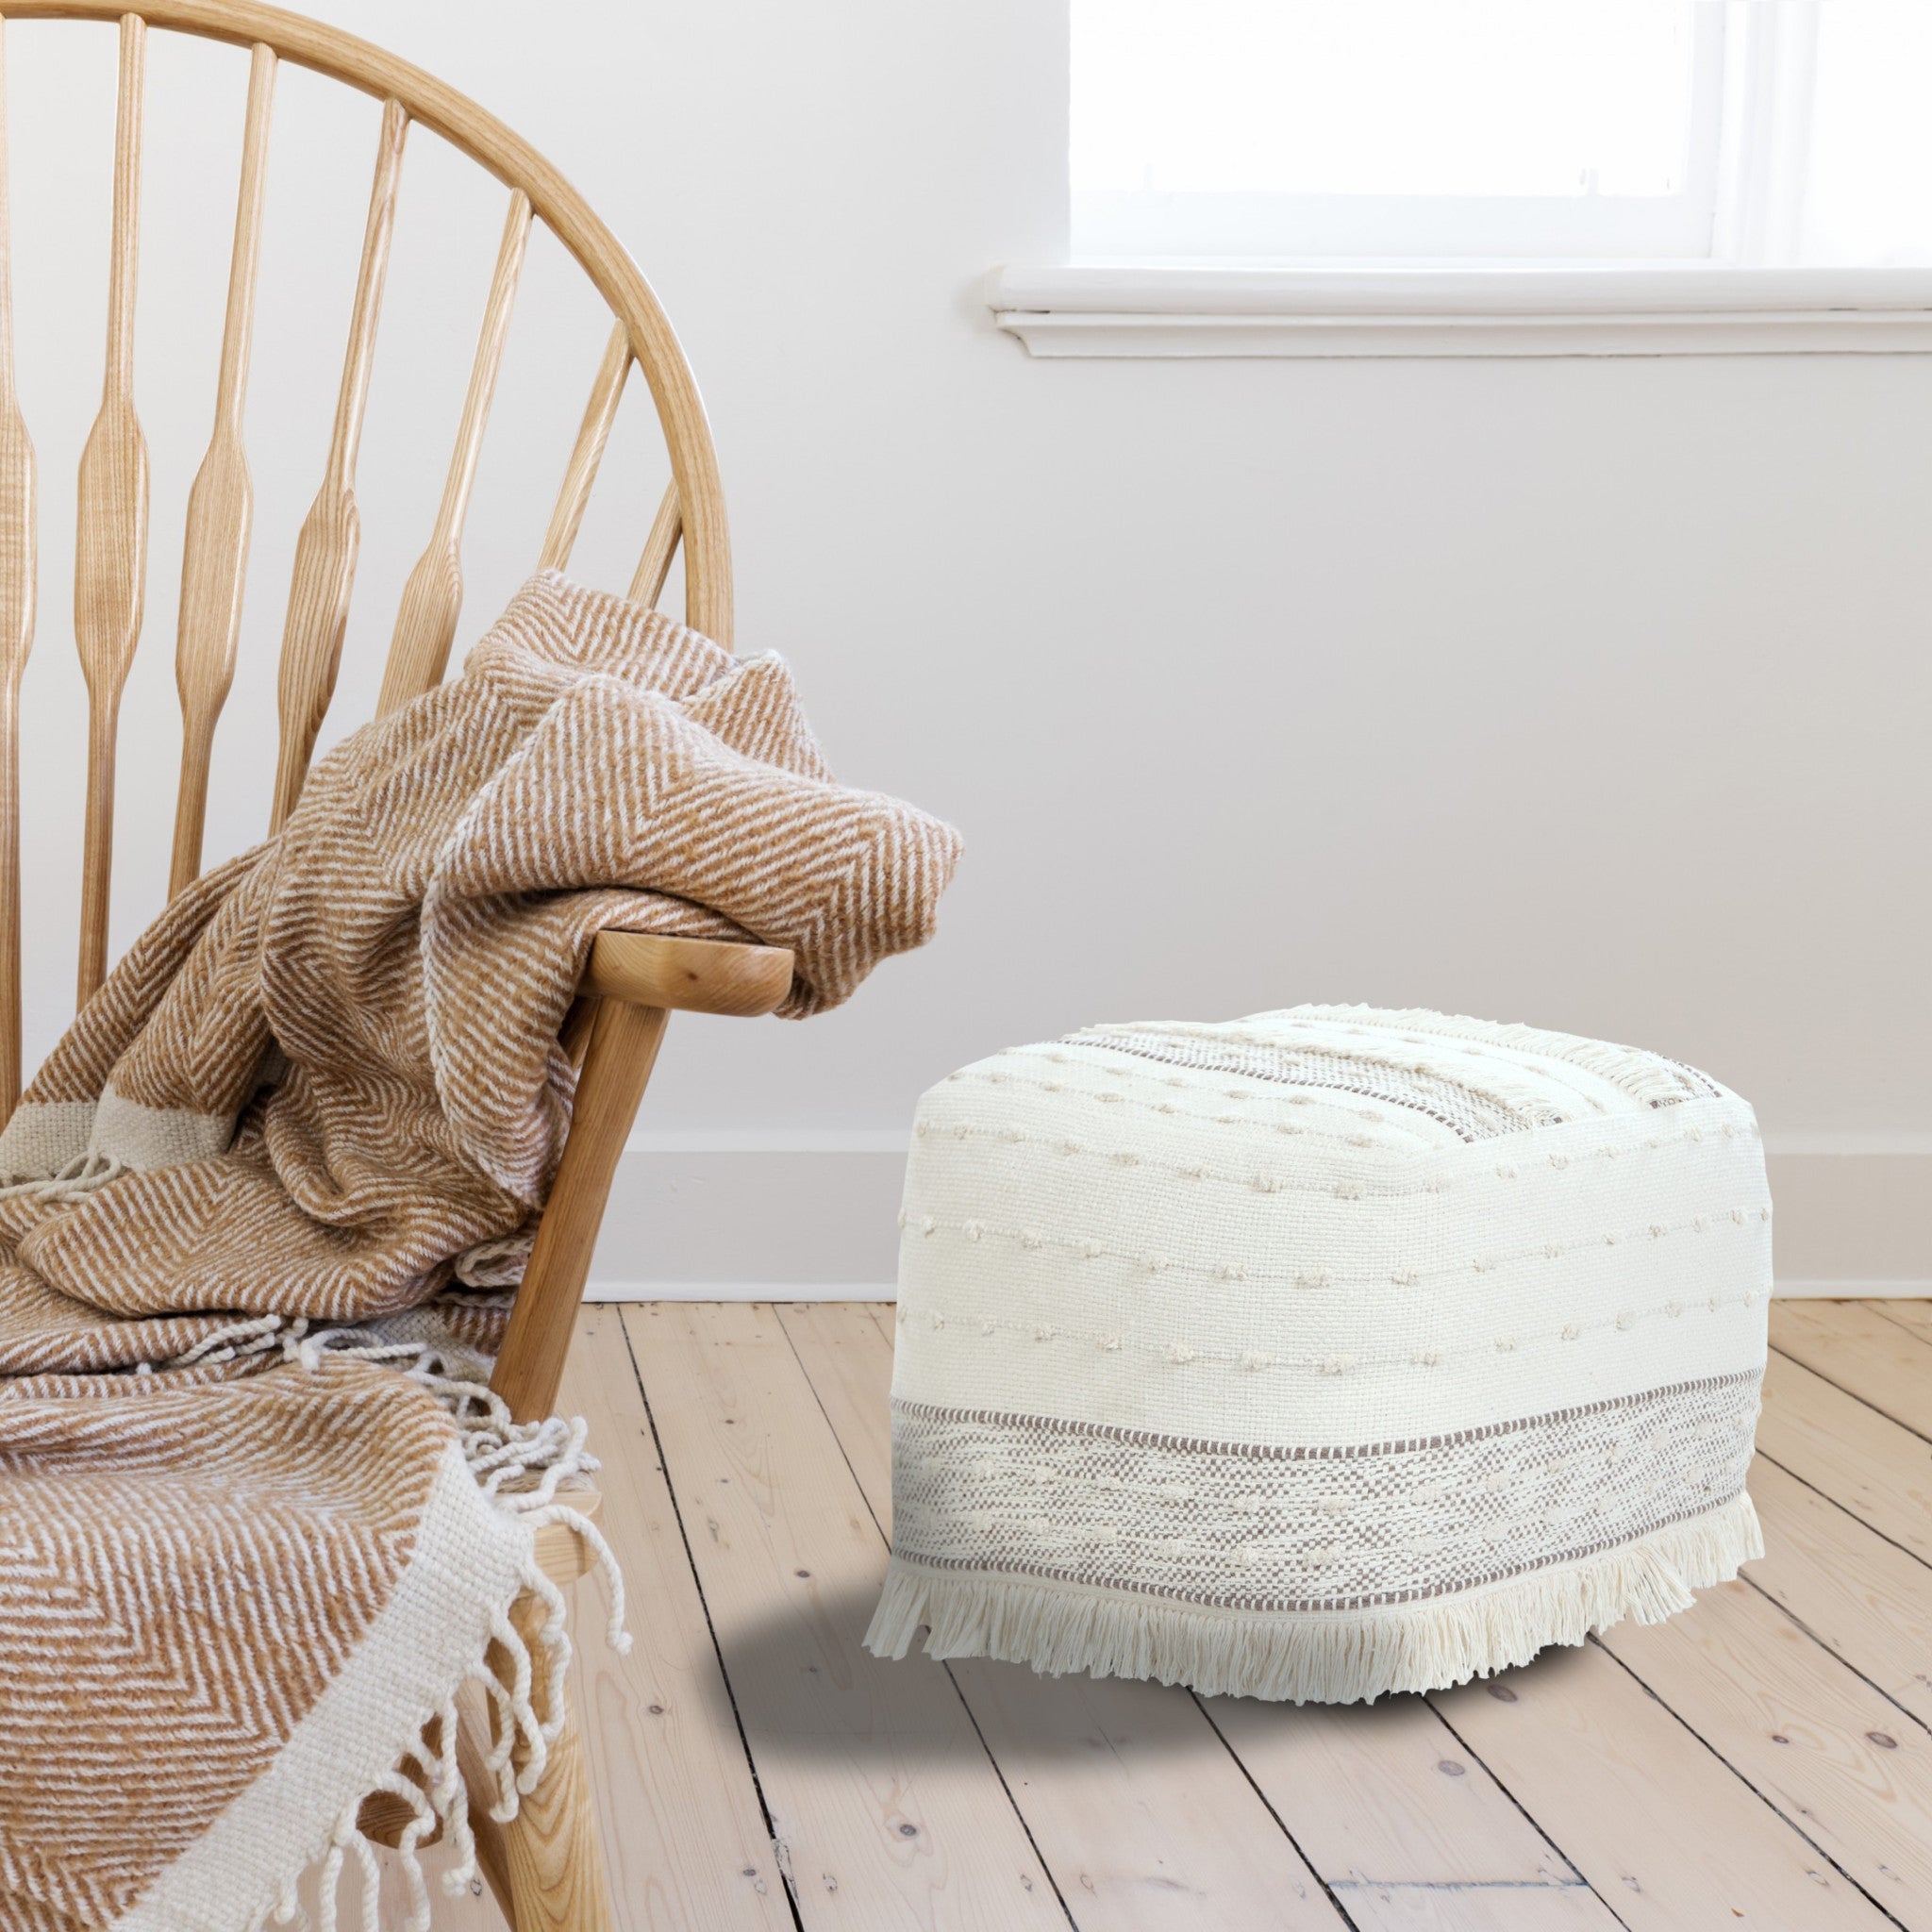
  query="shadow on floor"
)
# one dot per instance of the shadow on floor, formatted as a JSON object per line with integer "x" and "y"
{"x": 798, "y": 1663}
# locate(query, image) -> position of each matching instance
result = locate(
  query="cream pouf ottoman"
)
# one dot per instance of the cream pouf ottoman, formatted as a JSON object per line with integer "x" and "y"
{"x": 1321, "y": 1354}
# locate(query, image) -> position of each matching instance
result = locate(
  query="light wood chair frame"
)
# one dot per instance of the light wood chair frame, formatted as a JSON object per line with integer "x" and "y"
{"x": 547, "y": 1868}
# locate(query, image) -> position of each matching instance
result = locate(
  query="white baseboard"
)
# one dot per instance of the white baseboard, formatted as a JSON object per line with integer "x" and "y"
{"x": 812, "y": 1215}
{"x": 1893, "y": 1289}
{"x": 1853, "y": 1213}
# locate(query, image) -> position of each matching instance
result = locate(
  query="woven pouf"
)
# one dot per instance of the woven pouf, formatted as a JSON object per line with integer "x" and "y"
{"x": 1321, "y": 1354}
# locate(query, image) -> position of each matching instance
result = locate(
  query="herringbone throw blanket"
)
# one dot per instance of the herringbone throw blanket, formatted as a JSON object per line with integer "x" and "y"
{"x": 259, "y": 1519}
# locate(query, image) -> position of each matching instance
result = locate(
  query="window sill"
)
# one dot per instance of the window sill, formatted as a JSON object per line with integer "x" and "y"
{"x": 1673, "y": 309}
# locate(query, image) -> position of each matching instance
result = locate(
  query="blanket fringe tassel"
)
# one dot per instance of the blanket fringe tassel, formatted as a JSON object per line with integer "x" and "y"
{"x": 520, "y": 1466}
{"x": 88, "y": 1169}
{"x": 1322, "y": 1657}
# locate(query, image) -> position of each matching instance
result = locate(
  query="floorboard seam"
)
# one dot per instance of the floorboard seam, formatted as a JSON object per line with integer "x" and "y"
{"x": 845, "y": 1455}
{"x": 1281, "y": 1823}
{"x": 1025, "y": 1824}
{"x": 1768, "y": 1804}
{"x": 1863, "y": 1400}
{"x": 1885, "y": 1315}
{"x": 781, "y": 1855}
{"x": 1837, "y": 1503}
{"x": 1831, "y": 1650}
{"x": 1528, "y": 1816}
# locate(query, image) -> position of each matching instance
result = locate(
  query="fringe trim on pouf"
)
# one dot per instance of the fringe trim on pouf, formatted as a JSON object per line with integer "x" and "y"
{"x": 1310, "y": 1657}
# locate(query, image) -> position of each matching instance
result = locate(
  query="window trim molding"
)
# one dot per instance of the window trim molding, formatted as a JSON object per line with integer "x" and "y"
{"x": 1306, "y": 310}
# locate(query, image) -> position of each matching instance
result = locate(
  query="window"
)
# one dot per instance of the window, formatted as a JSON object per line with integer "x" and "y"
{"x": 1594, "y": 131}
{"x": 1395, "y": 127}
{"x": 1490, "y": 177}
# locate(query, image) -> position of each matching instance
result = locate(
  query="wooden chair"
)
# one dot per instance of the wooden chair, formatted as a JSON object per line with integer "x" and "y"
{"x": 545, "y": 1868}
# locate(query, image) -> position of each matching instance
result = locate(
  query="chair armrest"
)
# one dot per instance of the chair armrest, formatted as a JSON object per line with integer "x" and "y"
{"x": 648, "y": 969}
{"x": 634, "y": 980}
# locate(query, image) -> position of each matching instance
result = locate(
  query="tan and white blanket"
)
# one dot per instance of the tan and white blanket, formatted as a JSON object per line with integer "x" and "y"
{"x": 258, "y": 1520}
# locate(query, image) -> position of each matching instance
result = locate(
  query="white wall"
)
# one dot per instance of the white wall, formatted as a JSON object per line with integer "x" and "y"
{"x": 1588, "y": 692}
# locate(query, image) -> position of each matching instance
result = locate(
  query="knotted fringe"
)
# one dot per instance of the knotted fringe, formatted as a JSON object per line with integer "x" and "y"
{"x": 1324, "y": 1658}
{"x": 88, "y": 1170}
{"x": 520, "y": 1467}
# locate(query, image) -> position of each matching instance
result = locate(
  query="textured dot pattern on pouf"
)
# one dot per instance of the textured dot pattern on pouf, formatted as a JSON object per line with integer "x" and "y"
{"x": 1321, "y": 1354}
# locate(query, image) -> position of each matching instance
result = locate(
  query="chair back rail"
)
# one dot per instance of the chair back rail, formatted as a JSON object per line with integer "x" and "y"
{"x": 19, "y": 579}
{"x": 110, "y": 543}
{"x": 332, "y": 532}
{"x": 112, "y": 509}
{"x": 580, "y": 473}
{"x": 214, "y": 560}
{"x": 660, "y": 547}
{"x": 433, "y": 596}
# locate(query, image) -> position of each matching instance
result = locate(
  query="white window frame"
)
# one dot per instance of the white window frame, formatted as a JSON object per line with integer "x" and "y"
{"x": 1740, "y": 293}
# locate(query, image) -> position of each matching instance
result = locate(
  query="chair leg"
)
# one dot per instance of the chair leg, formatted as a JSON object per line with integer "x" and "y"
{"x": 557, "y": 1877}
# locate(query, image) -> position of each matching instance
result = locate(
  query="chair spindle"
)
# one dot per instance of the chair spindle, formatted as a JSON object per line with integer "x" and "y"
{"x": 433, "y": 597}
{"x": 593, "y": 434}
{"x": 17, "y": 588}
{"x": 325, "y": 550}
{"x": 111, "y": 545}
{"x": 660, "y": 547}
{"x": 215, "y": 558}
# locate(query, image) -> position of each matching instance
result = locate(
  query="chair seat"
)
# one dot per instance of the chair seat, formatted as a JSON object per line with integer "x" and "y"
{"x": 1320, "y": 1354}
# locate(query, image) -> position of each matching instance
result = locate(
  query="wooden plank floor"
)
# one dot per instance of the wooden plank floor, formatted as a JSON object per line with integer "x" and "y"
{"x": 1764, "y": 1759}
